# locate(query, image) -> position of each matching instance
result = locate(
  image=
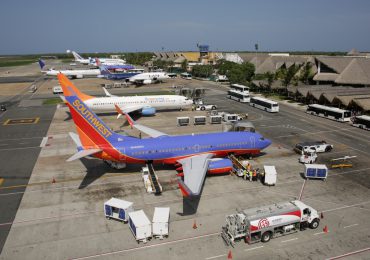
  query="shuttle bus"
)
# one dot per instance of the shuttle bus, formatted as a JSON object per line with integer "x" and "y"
{"x": 362, "y": 122}
{"x": 264, "y": 104}
{"x": 239, "y": 93}
{"x": 332, "y": 113}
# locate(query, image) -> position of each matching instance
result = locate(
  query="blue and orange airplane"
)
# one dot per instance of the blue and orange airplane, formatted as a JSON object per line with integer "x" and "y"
{"x": 197, "y": 154}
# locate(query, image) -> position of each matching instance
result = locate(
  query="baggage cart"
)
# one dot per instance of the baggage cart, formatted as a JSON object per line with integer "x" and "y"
{"x": 140, "y": 226}
{"x": 160, "y": 222}
{"x": 118, "y": 209}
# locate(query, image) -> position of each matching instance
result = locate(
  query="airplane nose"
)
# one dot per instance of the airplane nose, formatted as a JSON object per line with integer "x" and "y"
{"x": 266, "y": 143}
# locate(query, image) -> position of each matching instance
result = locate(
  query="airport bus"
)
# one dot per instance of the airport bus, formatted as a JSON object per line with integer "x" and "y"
{"x": 332, "y": 113}
{"x": 362, "y": 122}
{"x": 239, "y": 93}
{"x": 264, "y": 104}
{"x": 186, "y": 75}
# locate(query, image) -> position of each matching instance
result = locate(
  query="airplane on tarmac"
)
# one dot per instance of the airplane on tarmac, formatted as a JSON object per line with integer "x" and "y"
{"x": 91, "y": 61}
{"x": 198, "y": 154}
{"x": 147, "y": 105}
{"x": 76, "y": 74}
{"x": 135, "y": 76}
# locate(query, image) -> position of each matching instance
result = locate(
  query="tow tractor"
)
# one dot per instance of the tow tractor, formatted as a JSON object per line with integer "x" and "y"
{"x": 150, "y": 179}
{"x": 204, "y": 107}
{"x": 308, "y": 156}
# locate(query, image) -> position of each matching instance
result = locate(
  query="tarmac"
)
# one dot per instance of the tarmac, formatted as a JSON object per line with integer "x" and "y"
{"x": 65, "y": 219}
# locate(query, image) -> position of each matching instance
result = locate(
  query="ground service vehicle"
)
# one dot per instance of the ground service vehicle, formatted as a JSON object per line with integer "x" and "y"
{"x": 264, "y": 223}
{"x": 264, "y": 104}
{"x": 239, "y": 93}
{"x": 308, "y": 156}
{"x": 317, "y": 146}
{"x": 362, "y": 122}
{"x": 332, "y": 113}
{"x": 205, "y": 107}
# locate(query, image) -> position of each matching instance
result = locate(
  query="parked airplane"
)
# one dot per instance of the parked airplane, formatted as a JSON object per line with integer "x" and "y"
{"x": 197, "y": 153}
{"x": 91, "y": 61}
{"x": 147, "y": 105}
{"x": 77, "y": 74}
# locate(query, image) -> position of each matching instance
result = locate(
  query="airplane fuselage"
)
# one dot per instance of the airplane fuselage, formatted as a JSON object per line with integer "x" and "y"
{"x": 106, "y": 104}
{"x": 169, "y": 149}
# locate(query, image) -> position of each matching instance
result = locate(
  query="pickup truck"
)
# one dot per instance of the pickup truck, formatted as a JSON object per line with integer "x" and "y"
{"x": 318, "y": 147}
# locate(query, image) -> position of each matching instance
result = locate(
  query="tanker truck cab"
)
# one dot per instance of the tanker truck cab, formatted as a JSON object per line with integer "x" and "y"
{"x": 309, "y": 216}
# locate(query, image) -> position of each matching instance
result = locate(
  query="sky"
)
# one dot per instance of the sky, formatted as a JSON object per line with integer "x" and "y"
{"x": 41, "y": 26}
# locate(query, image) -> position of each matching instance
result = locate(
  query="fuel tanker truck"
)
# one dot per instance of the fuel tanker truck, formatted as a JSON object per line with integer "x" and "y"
{"x": 263, "y": 223}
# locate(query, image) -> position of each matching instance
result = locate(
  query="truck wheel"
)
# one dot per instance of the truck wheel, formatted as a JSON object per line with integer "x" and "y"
{"x": 328, "y": 149}
{"x": 202, "y": 108}
{"x": 315, "y": 223}
{"x": 214, "y": 107}
{"x": 266, "y": 237}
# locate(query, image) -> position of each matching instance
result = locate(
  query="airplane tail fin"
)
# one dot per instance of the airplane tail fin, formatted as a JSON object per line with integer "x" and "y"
{"x": 67, "y": 85}
{"x": 94, "y": 136}
{"x": 41, "y": 63}
{"x": 98, "y": 63}
{"x": 77, "y": 56}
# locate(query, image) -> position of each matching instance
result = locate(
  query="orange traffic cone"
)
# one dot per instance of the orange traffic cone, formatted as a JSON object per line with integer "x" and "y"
{"x": 195, "y": 224}
{"x": 325, "y": 229}
{"x": 322, "y": 215}
{"x": 229, "y": 255}
{"x": 53, "y": 180}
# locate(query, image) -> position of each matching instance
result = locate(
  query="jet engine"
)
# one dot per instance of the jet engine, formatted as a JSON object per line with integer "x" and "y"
{"x": 219, "y": 166}
{"x": 148, "y": 111}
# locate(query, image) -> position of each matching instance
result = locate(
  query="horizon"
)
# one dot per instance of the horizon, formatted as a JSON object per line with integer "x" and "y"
{"x": 117, "y": 27}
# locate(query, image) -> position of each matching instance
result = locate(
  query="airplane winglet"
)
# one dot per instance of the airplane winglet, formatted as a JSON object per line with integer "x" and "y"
{"x": 128, "y": 117}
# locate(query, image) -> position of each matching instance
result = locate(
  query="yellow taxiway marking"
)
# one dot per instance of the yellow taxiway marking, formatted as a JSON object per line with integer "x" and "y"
{"x": 22, "y": 121}
{"x": 1, "y": 181}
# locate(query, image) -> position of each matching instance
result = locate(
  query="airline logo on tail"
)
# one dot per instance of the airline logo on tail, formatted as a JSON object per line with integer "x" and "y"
{"x": 77, "y": 56}
{"x": 41, "y": 63}
{"x": 91, "y": 118}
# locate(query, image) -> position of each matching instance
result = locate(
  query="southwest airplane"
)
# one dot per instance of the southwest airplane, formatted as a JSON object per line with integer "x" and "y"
{"x": 76, "y": 74}
{"x": 197, "y": 154}
{"x": 147, "y": 105}
{"x": 104, "y": 61}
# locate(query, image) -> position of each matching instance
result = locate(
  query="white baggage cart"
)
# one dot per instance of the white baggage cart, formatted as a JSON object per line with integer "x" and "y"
{"x": 160, "y": 222}
{"x": 118, "y": 209}
{"x": 140, "y": 226}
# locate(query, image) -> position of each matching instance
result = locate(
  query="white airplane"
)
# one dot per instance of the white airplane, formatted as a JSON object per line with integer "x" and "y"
{"x": 147, "y": 105}
{"x": 103, "y": 61}
{"x": 76, "y": 74}
{"x": 148, "y": 78}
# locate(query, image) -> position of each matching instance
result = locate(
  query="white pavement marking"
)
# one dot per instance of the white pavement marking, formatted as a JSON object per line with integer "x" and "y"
{"x": 145, "y": 247}
{"x": 351, "y": 225}
{"x": 284, "y": 241}
{"x": 349, "y": 254}
{"x": 3, "y": 113}
{"x": 44, "y": 141}
{"x": 250, "y": 249}
{"x": 319, "y": 233}
{"x": 216, "y": 256}
{"x": 349, "y": 206}
{"x": 20, "y": 148}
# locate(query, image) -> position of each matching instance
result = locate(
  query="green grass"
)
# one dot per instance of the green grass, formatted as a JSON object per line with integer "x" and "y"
{"x": 13, "y": 63}
{"x": 52, "y": 101}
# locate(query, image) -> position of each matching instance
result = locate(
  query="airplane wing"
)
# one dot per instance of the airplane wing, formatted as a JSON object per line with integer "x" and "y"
{"x": 127, "y": 109}
{"x": 195, "y": 168}
{"x": 107, "y": 93}
{"x": 147, "y": 130}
